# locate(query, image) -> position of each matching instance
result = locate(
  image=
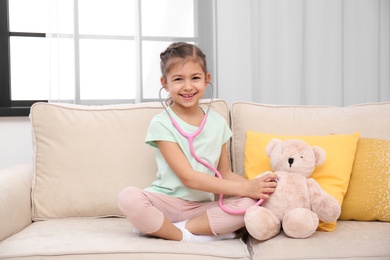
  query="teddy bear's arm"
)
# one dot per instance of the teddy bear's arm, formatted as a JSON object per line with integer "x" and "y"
{"x": 324, "y": 205}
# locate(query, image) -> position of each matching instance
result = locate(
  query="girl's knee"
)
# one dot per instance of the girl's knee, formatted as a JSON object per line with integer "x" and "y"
{"x": 241, "y": 202}
{"x": 247, "y": 202}
{"x": 128, "y": 198}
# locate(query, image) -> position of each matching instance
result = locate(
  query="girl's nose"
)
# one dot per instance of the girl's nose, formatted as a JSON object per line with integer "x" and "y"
{"x": 187, "y": 84}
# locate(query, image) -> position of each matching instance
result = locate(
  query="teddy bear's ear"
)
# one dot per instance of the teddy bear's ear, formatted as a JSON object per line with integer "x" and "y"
{"x": 320, "y": 155}
{"x": 271, "y": 145}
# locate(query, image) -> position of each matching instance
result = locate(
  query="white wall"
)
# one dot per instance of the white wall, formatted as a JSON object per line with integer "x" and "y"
{"x": 15, "y": 141}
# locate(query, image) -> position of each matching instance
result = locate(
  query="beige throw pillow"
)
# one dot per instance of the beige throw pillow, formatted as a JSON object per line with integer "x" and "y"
{"x": 85, "y": 155}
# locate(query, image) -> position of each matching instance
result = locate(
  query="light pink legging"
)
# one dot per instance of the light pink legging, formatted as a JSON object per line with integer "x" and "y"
{"x": 146, "y": 210}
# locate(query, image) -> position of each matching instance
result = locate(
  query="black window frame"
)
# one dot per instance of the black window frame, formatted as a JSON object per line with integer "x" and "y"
{"x": 9, "y": 107}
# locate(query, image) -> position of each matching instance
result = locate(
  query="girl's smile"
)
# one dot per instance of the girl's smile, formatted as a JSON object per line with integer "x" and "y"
{"x": 188, "y": 96}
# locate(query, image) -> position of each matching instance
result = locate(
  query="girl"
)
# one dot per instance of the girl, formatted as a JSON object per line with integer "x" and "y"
{"x": 180, "y": 204}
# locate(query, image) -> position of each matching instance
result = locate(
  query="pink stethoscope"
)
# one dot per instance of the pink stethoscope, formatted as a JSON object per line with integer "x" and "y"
{"x": 191, "y": 137}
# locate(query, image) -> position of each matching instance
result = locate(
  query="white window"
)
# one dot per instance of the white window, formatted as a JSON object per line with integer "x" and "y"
{"x": 99, "y": 51}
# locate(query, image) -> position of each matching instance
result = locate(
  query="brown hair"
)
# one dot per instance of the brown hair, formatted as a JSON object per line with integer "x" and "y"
{"x": 180, "y": 52}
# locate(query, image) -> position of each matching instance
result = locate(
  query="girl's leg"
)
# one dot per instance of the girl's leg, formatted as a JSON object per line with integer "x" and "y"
{"x": 138, "y": 206}
{"x": 168, "y": 231}
{"x": 199, "y": 225}
{"x": 153, "y": 214}
{"x": 217, "y": 222}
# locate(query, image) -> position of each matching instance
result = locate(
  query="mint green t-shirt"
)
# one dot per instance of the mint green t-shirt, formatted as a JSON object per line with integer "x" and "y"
{"x": 207, "y": 146}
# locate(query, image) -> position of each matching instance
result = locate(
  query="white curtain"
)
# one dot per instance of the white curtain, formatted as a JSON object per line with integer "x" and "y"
{"x": 62, "y": 75}
{"x": 320, "y": 52}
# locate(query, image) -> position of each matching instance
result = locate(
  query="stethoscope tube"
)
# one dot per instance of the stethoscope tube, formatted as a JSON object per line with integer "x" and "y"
{"x": 191, "y": 137}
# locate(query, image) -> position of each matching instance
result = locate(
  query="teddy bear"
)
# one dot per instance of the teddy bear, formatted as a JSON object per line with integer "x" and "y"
{"x": 298, "y": 202}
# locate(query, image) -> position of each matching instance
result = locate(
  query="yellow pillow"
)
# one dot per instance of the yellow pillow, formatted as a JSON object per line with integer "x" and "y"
{"x": 333, "y": 175}
{"x": 368, "y": 194}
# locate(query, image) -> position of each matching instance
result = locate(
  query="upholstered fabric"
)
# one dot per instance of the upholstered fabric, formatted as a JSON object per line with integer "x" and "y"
{"x": 85, "y": 147}
{"x": 108, "y": 238}
{"x": 15, "y": 196}
{"x": 356, "y": 240}
{"x": 85, "y": 155}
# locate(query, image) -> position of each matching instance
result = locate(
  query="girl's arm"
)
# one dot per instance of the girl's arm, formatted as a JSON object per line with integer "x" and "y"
{"x": 224, "y": 167}
{"x": 231, "y": 184}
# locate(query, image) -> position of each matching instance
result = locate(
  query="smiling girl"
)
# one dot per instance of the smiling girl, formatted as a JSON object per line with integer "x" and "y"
{"x": 179, "y": 205}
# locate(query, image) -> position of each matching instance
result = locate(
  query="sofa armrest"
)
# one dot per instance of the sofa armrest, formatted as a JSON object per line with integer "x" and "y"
{"x": 15, "y": 199}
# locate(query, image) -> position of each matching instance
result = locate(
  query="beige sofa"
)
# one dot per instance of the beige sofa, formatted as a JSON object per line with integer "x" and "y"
{"x": 63, "y": 206}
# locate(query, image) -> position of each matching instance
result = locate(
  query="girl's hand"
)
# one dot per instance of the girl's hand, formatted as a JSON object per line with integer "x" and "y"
{"x": 262, "y": 186}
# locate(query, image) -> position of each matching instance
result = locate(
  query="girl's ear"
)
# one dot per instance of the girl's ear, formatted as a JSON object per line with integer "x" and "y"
{"x": 163, "y": 82}
{"x": 208, "y": 77}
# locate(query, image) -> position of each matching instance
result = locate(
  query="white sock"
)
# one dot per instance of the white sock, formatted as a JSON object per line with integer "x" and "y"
{"x": 189, "y": 237}
{"x": 180, "y": 225}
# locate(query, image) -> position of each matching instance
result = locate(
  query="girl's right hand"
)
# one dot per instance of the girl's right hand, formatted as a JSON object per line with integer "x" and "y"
{"x": 262, "y": 186}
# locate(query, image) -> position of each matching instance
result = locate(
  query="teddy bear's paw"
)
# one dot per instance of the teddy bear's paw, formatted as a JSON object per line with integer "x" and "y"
{"x": 261, "y": 223}
{"x": 324, "y": 205}
{"x": 300, "y": 223}
{"x": 330, "y": 212}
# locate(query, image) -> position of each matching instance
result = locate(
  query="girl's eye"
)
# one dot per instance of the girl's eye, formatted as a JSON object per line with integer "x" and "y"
{"x": 177, "y": 79}
{"x": 196, "y": 78}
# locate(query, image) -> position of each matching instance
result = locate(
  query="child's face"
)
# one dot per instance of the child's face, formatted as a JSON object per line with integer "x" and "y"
{"x": 186, "y": 83}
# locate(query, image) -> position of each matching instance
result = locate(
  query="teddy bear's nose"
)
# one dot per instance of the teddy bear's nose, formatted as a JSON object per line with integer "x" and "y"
{"x": 290, "y": 161}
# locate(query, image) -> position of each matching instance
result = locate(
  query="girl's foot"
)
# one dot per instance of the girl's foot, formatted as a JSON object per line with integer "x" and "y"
{"x": 189, "y": 237}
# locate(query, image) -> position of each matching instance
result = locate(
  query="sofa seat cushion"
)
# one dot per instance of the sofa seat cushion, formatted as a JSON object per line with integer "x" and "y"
{"x": 351, "y": 240}
{"x": 108, "y": 238}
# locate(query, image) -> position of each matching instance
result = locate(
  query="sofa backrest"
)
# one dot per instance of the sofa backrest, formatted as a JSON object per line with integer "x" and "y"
{"x": 85, "y": 155}
{"x": 371, "y": 120}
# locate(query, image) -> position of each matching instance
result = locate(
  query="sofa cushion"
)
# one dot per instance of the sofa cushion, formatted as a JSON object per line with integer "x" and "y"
{"x": 85, "y": 155}
{"x": 371, "y": 120}
{"x": 351, "y": 240}
{"x": 108, "y": 238}
{"x": 333, "y": 175}
{"x": 368, "y": 195}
